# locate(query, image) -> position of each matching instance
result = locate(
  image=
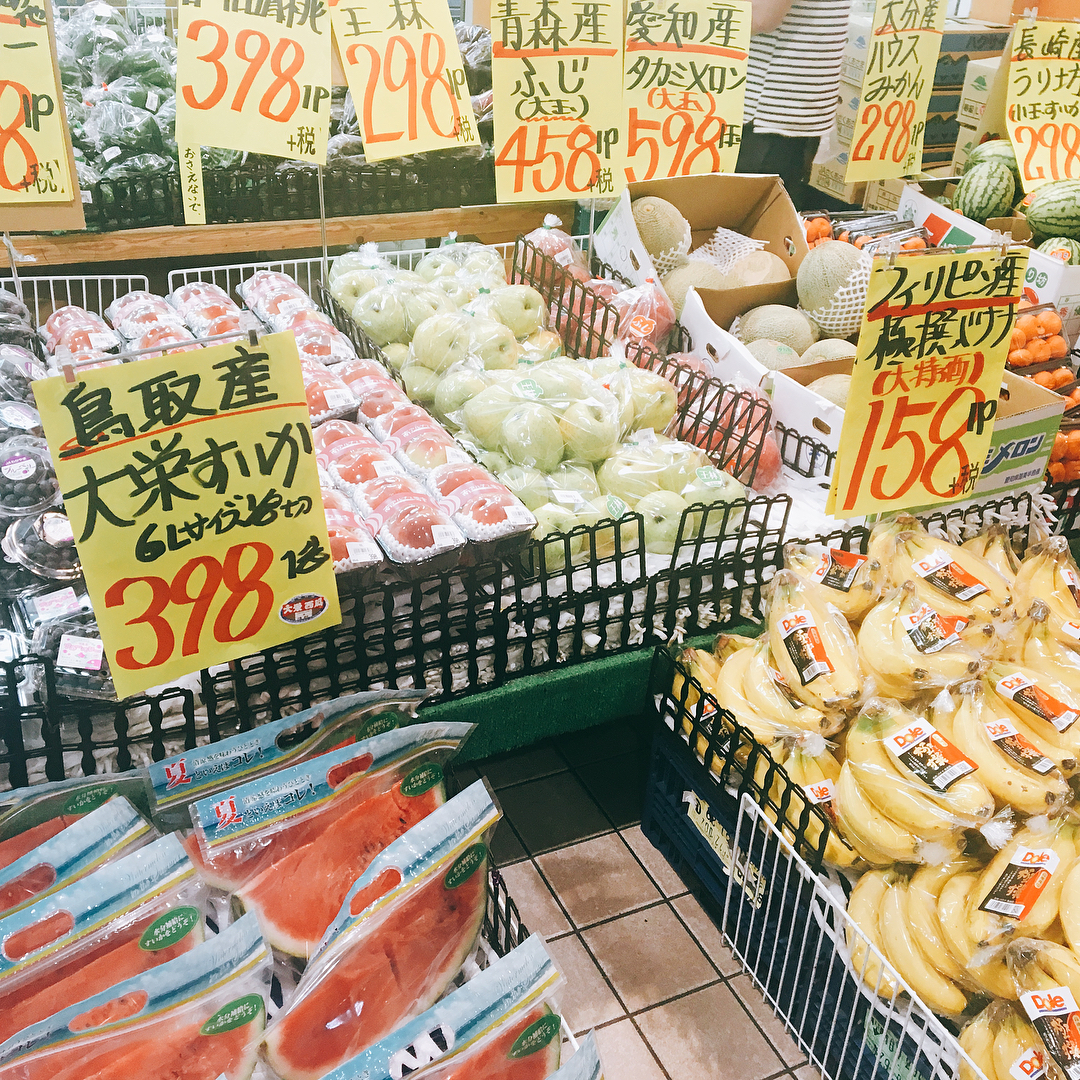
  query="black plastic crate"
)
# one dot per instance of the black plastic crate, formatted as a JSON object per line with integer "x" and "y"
{"x": 803, "y": 453}
{"x": 134, "y": 202}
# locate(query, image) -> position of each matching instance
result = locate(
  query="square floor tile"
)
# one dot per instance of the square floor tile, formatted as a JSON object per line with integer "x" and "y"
{"x": 602, "y": 741}
{"x": 505, "y": 846}
{"x": 624, "y": 1055}
{"x": 585, "y": 998}
{"x": 807, "y": 1072}
{"x": 649, "y": 957}
{"x": 618, "y": 785}
{"x": 767, "y": 1020}
{"x": 552, "y": 812}
{"x": 708, "y": 1034}
{"x": 660, "y": 870}
{"x": 707, "y": 934}
{"x": 597, "y": 879}
{"x": 519, "y": 766}
{"x": 538, "y": 908}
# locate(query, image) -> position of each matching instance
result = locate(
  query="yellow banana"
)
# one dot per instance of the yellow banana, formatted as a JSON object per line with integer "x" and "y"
{"x": 850, "y": 582}
{"x": 1069, "y": 906}
{"x": 993, "y": 977}
{"x": 1062, "y": 748}
{"x": 934, "y": 988}
{"x": 1033, "y": 645}
{"x": 1015, "y": 1043}
{"x": 812, "y": 773}
{"x": 1048, "y": 573}
{"x": 729, "y": 692}
{"x": 802, "y": 628}
{"x": 878, "y": 839}
{"x": 1027, "y": 972}
{"x": 993, "y": 546}
{"x": 775, "y": 703}
{"x": 977, "y": 1041}
{"x": 726, "y": 644}
{"x": 1041, "y": 700}
{"x": 923, "y": 892}
{"x": 864, "y": 908}
{"x": 882, "y": 544}
{"x": 1061, "y": 964}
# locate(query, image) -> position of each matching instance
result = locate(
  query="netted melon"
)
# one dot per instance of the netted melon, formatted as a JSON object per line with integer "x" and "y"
{"x": 660, "y": 225}
{"x": 776, "y": 322}
{"x": 829, "y": 349}
{"x": 774, "y": 355}
{"x": 833, "y": 388}
{"x": 824, "y": 272}
{"x": 697, "y": 274}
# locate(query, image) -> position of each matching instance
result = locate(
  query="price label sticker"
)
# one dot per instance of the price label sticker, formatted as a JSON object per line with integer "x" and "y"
{"x": 191, "y": 485}
{"x": 34, "y": 164}
{"x": 925, "y": 383}
{"x": 404, "y": 71}
{"x": 560, "y": 125}
{"x": 1041, "y": 112}
{"x": 255, "y": 79}
{"x": 683, "y": 86}
{"x": 896, "y": 88}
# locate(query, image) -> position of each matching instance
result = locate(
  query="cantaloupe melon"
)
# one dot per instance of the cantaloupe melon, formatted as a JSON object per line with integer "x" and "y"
{"x": 761, "y": 268}
{"x": 698, "y": 274}
{"x": 660, "y": 225}
{"x": 773, "y": 354}
{"x": 833, "y": 388}
{"x": 778, "y": 323}
{"x": 824, "y": 272}
{"x": 829, "y": 349}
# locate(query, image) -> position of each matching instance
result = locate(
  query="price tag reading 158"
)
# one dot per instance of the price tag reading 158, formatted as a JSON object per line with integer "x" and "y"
{"x": 255, "y": 82}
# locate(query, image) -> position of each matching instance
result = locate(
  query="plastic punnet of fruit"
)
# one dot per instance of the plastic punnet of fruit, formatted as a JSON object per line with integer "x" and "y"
{"x": 1036, "y": 336}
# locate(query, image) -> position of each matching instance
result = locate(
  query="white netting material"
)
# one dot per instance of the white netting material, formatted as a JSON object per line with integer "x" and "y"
{"x": 726, "y": 247}
{"x": 666, "y": 261}
{"x": 843, "y": 316}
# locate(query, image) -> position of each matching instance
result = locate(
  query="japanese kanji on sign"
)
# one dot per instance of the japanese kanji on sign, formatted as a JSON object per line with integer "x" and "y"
{"x": 405, "y": 73}
{"x": 560, "y": 125}
{"x": 684, "y": 80}
{"x": 1043, "y": 101}
{"x": 925, "y": 383}
{"x": 191, "y": 485}
{"x": 899, "y": 78}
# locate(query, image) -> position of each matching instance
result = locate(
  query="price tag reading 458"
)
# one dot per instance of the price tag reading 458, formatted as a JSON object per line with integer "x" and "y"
{"x": 255, "y": 82}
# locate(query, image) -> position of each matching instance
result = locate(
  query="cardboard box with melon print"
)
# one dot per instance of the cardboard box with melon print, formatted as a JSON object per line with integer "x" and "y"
{"x": 757, "y": 206}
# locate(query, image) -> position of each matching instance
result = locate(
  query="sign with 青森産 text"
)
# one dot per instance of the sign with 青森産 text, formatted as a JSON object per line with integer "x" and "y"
{"x": 191, "y": 486}
{"x": 684, "y": 83}
{"x": 889, "y": 127}
{"x": 1042, "y": 105}
{"x": 926, "y": 379}
{"x": 404, "y": 70}
{"x": 560, "y": 125}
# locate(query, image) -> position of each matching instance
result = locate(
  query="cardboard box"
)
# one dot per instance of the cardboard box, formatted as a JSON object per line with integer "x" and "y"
{"x": 853, "y": 60}
{"x": 966, "y": 141}
{"x": 1008, "y": 11}
{"x": 965, "y": 40}
{"x": 991, "y": 11}
{"x": 754, "y": 205}
{"x": 803, "y": 410}
{"x": 942, "y": 131}
{"x": 977, "y": 85}
{"x": 883, "y": 194}
{"x": 847, "y": 111}
{"x": 828, "y": 176}
{"x": 728, "y": 357}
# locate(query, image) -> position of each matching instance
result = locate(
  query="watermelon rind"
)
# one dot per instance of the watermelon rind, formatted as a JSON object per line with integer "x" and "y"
{"x": 1054, "y": 210}
{"x": 997, "y": 150}
{"x": 985, "y": 191}
{"x": 1063, "y": 248}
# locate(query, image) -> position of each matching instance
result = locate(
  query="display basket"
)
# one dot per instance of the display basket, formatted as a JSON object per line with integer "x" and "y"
{"x": 803, "y": 454}
{"x": 134, "y": 202}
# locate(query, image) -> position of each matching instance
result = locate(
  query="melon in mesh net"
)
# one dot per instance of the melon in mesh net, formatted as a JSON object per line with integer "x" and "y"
{"x": 825, "y": 270}
{"x": 778, "y": 323}
{"x": 660, "y": 225}
{"x": 697, "y": 274}
{"x": 774, "y": 355}
{"x": 761, "y": 268}
{"x": 829, "y": 349}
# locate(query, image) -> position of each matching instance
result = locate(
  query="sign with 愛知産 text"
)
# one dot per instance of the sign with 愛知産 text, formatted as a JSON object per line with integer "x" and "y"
{"x": 191, "y": 486}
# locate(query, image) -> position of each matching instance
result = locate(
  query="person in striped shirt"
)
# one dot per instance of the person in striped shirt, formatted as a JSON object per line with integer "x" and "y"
{"x": 792, "y": 85}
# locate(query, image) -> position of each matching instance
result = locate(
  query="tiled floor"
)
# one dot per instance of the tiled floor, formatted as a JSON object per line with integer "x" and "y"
{"x": 644, "y": 964}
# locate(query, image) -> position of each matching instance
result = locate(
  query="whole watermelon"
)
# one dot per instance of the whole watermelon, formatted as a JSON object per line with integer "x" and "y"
{"x": 1054, "y": 210}
{"x": 1061, "y": 247}
{"x": 999, "y": 150}
{"x": 985, "y": 191}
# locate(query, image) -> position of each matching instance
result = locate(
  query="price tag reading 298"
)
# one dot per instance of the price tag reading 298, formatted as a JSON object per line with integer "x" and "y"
{"x": 255, "y": 82}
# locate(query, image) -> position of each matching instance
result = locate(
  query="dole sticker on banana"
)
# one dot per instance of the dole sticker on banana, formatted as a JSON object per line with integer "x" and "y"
{"x": 823, "y": 793}
{"x": 940, "y": 570}
{"x": 804, "y": 645}
{"x": 837, "y": 569}
{"x": 1021, "y": 883}
{"x": 1023, "y": 752}
{"x": 1072, "y": 629}
{"x": 1072, "y": 582}
{"x": 1030, "y": 1065}
{"x": 1055, "y": 1017}
{"x": 1024, "y": 691}
{"x": 931, "y": 631}
{"x": 924, "y": 751}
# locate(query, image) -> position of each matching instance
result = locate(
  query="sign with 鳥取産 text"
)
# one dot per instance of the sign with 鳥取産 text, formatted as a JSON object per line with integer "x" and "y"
{"x": 1043, "y": 101}
{"x": 902, "y": 57}
{"x": 926, "y": 379}
{"x": 684, "y": 83}
{"x": 560, "y": 125}
{"x": 404, "y": 70}
{"x": 191, "y": 486}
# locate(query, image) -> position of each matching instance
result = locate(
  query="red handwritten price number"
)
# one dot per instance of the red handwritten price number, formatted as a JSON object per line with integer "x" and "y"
{"x": 435, "y": 97}
{"x": 900, "y": 132}
{"x": 577, "y": 165}
{"x": 676, "y": 131}
{"x": 1063, "y": 143}
{"x": 247, "y": 604}
{"x": 14, "y": 117}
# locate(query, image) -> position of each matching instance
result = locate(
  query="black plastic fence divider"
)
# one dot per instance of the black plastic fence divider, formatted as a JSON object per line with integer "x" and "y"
{"x": 1066, "y": 496}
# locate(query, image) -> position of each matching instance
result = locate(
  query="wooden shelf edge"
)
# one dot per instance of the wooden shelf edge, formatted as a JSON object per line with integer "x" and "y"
{"x": 492, "y": 224}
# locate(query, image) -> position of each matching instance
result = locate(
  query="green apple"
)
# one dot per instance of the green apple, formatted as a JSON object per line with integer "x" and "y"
{"x": 494, "y": 461}
{"x": 589, "y": 430}
{"x": 540, "y": 346}
{"x": 347, "y": 288}
{"x": 630, "y": 474}
{"x": 662, "y": 512}
{"x": 442, "y": 340}
{"x": 457, "y": 387}
{"x": 608, "y": 507}
{"x": 681, "y": 462}
{"x": 531, "y": 436}
{"x": 483, "y": 415}
{"x": 457, "y": 291}
{"x": 422, "y": 303}
{"x": 420, "y": 383}
{"x": 712, "y": 485}
{"x": 494, "y": 344}
{"x": 553, "y": 519}
{"x": 654, "y": 399}
{"x": 531, "y": 486}
{"x": 575, "y": 476}
{"x": 380, "y": 313}
{"x": 484, "y": 262}
{"x": 520, "y": 307}
{"x": 436, "y": 264}
{"x": 396, "y": 353}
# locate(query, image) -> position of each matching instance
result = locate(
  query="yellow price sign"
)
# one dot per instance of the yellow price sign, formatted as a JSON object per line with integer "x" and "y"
{"x": 255, "y": 79}
{"x": 683, "y": 87}
{"x": 192, "y": 489}
{"x": 924, "y": 390}
{"x": 1043, "y": 102}
{"x": 560, "y": 126}
{"x": 34, "y": 153}
{"x": 404, "y": 70}
{"x": 905, "y": 40}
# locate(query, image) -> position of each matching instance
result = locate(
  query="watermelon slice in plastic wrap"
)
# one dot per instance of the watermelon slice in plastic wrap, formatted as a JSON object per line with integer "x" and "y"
{"x": 402, "y": 934}
{"x": 526, "y": 1049}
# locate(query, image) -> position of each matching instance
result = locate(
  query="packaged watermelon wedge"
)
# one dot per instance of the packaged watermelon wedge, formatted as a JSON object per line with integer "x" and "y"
{"x": 403, "y": 932}
{"x": 179, "y": 781}
{"x": 472, "y": 1030}
{"x": 585, "y": 1064}
{"x": 125, "y": 918}
{"x": 104, "y": 835}
{"x": 30, "y": 816}
{"x": 290, "y": 845}
{"x": 198, "y": 1017}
